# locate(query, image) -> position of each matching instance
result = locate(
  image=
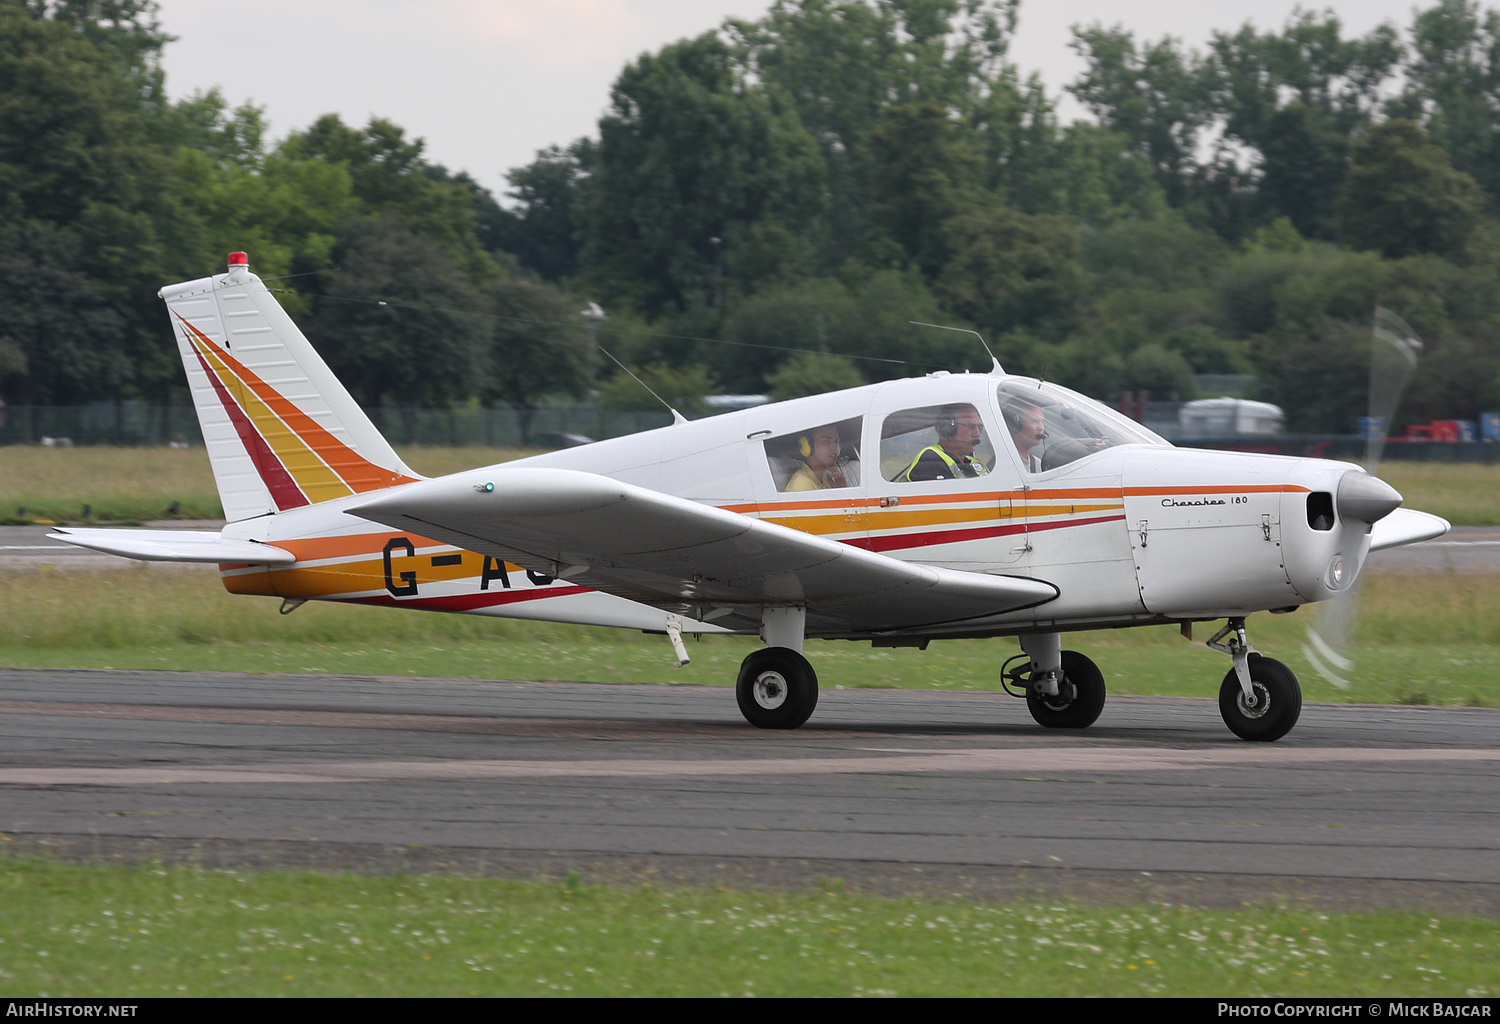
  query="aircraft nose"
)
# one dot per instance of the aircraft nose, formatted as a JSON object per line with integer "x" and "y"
{"x": 1366, "y": 498}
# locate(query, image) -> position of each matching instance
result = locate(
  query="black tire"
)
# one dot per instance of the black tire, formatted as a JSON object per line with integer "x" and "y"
{"x": 1080, "y": 698}
{"x": 777, "y": 688}
{"x": 1278, "y": 704}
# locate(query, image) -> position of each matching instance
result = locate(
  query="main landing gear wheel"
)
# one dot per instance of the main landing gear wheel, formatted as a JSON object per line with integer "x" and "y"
{"x": 777, "y": 688}
{"x": 1277, "y": 704}
{"x": 1080, "y": 696}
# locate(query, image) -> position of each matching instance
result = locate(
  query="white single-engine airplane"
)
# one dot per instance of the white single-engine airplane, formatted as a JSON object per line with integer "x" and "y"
{"x": 946, "y": 506}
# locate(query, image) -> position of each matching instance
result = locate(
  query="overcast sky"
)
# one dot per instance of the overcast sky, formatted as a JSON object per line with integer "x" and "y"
{"x": 489, "y": 82}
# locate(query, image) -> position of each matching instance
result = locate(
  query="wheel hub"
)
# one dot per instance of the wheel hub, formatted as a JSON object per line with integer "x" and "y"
{"x": 1066, "y": 694}
{"x": 770, "y": 690}
{"x": 1262, "y": 701}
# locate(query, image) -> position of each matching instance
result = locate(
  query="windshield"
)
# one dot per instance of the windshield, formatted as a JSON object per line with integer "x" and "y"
{"x": 1052, "y": 426}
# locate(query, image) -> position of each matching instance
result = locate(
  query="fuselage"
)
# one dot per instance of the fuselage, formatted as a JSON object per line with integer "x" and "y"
{"x": 1129, "y": 529}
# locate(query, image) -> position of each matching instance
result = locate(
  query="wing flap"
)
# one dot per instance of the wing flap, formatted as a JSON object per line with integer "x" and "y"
{"x": 175, "y": 546}
{"x": 678, "y": 554}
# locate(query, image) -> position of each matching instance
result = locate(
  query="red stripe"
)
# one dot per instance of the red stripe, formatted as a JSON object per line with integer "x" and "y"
{"x": 918, "y": 540}
{"x": 469, "y": 602}
{"x": 284, "y": 490}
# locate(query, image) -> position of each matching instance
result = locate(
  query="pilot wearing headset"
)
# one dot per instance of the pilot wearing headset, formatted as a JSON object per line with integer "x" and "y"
{"x": 820, "y": 450}
{"x": 1027, "y": 430}
{"x": 959, "y": 429}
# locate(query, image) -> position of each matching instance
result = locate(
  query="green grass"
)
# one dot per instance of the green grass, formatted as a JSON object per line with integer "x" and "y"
{"x": 52, "y": 485}
{"x": 1423, "y": 639}
{"x": 1465, "y": 495}
{"x": 135, "y": 932}
{"x": 138, "y": 484}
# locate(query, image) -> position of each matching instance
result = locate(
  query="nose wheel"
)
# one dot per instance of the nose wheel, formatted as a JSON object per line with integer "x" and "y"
{"x": 1260, "y": 698}
{"x": 777, "y": 688}
{"x": 1272, "y": 706}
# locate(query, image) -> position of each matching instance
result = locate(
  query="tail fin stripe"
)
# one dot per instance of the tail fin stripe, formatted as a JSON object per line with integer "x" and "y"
{"x": 355, "y": 471}
{"x": 283, "y": 488}
{"x": 314, "y": 479}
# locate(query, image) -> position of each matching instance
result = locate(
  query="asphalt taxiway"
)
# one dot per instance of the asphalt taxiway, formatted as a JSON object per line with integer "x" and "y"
{"x": 938, "y": 793}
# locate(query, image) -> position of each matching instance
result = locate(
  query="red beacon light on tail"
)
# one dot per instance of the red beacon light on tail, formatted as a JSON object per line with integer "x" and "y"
{"x": 238, "y": 259}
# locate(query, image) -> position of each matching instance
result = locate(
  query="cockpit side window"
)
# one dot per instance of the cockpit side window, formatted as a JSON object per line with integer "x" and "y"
{"x": 935, "y": 442}
{"x": 1051, "y": 426}
{"x": 825, "y": 457}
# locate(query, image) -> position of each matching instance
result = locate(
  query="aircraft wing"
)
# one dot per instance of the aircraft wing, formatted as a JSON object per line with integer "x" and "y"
{"x": 175, "y": 546}
{"x": 1406, "y": 526}
{"x": 686, "y": 557}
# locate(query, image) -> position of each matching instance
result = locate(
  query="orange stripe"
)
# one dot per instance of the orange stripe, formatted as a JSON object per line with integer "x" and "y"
{"x": 315, "y": 480}
{"x": 359, "y": 473}
{"x": 1225, "y": 489}
{"x": 368, "y": 544}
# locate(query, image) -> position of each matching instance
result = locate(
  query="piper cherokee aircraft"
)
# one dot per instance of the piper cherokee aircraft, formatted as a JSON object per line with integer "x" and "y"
{"x": 946, "y": 506}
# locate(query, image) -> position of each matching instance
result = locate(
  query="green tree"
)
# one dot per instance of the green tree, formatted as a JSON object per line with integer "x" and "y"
{"x": 1296, "y": 96}
{"x": 1403, "y": 196}
{"x": 1319, "y": 377}
{"x": 1012, "y": 271}
{"x": 390, "y": 176}
{"x": 1153, "y": 94}
{"x": 61, "y": 343}
{"x": 1162, "y": 372}
{"x": 545, "y": 227}
{"x": 683, "y": 388}
{"x": 925, "y": 175}
{"x": 842, "y": 64}
{"x": 818, "y": 315}
{"x": 812, "y": 373}
{"x": 1453, "y": 86}
{"x": 690, "y": 153}
{"x": 536, "y": 349}
{"x": 400, "y": 322}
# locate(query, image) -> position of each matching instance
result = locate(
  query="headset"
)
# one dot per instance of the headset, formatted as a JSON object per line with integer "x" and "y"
{"x": 804, "y": 445}
{"x": 947, "y": 422}
{"x": 1012, "y": 411}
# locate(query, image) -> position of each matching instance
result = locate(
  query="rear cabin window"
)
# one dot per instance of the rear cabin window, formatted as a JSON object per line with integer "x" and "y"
{"x": 935, "y": 442}
{"x": 820, "y": 458}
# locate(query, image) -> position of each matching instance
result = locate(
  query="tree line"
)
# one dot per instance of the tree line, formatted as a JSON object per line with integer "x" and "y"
{"x": 767, "y": 206}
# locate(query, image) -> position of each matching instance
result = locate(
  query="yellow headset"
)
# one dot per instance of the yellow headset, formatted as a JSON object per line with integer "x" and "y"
{"x": 804, "y": 445}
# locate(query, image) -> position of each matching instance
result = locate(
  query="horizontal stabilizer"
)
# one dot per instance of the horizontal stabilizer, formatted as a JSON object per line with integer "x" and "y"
{"x": 175, "y": 546}
{"x": 1406, "y": 526}
{"x": 687, "y": 557}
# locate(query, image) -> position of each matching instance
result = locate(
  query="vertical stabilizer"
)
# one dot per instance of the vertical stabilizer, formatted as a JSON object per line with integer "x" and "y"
{"x": 281, "y": 430}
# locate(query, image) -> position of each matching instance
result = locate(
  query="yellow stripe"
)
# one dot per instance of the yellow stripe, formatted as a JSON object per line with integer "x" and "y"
{"x": 364, "y": 575}
{"x": 310, "y": 472}
{"x": 1039, "y": 511}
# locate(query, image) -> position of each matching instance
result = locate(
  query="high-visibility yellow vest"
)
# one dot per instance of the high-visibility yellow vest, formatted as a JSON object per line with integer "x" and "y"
{"x": 974, "y": 465}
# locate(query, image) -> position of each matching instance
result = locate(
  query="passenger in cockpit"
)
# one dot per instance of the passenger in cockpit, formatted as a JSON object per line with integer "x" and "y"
{"x": 820, "y": 450}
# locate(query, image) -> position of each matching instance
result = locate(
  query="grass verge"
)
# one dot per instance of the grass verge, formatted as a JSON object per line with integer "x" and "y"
{"x": 53, "y": 485}
{"x": 76, "y": 931}
{"x": 1423, "y": 640}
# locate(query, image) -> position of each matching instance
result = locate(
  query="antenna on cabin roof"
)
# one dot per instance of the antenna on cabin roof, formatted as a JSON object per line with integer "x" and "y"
{"x": 677, "y": 417}
{"x": 997, "y": 368}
